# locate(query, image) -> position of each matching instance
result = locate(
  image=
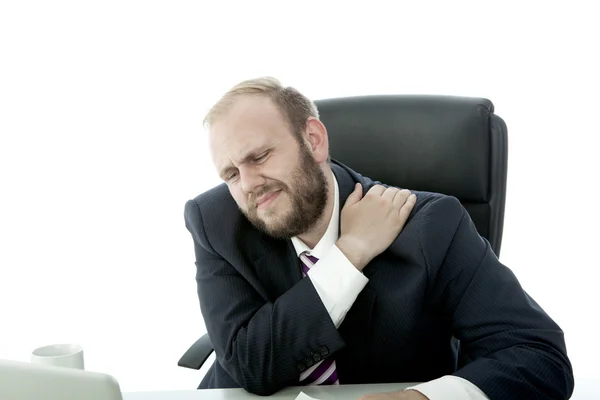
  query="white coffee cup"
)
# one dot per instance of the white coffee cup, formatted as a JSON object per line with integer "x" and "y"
{"x": 59, "y": 355}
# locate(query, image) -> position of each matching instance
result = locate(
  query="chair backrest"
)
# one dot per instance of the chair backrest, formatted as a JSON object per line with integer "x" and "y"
{"x": 445, "y": 144}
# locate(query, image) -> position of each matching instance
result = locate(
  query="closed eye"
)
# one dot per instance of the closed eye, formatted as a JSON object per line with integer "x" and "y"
{"x": 233, "y": 173}
{"x": 261, "y": 158}
{"x": 231, "y": 176}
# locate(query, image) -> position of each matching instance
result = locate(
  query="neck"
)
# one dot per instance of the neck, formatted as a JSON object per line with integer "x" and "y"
{"x": 313, "y": 235}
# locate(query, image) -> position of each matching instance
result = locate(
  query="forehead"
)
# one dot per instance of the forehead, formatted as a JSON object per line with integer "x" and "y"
{"x": 250, "y": 123}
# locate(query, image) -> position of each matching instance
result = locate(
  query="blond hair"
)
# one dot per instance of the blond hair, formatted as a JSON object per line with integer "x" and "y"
{"x": 295, "y": 107}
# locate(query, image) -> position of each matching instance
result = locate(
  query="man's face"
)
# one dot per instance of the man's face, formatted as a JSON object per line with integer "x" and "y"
{"x": 273, "y": 178}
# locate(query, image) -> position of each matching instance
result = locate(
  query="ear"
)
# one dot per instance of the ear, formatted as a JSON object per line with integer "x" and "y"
{"x": 316, "y": 134}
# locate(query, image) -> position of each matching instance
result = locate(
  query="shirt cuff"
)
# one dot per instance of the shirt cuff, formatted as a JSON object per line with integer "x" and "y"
{"x": 337, "y": 282}
{"x": 449, "y": 387}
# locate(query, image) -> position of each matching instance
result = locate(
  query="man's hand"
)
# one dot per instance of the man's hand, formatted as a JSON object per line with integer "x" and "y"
{"x": 371, "y": 223}
{"x": 406, "y": 395}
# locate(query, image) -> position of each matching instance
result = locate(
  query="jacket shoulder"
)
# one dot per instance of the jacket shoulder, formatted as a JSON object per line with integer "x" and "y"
{"x": 438, "y": 218}
{"x": 213, "y": 213}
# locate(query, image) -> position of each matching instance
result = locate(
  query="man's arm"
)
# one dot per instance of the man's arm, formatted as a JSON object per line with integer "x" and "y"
{"x": 510, "y": 348}
{"x": 260, "y": 344}
{"x": 338, "y": 283}
{"x": 263, "y": 345}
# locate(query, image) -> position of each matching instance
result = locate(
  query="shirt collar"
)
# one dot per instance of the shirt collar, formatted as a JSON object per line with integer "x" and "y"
{"x": 331, "y": 234}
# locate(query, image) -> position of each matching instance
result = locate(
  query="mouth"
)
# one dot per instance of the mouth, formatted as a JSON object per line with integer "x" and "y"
{"x": 267, "y": 199}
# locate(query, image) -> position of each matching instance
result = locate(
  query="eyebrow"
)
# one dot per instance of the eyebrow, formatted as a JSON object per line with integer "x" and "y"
{"x": 253, "y": 154}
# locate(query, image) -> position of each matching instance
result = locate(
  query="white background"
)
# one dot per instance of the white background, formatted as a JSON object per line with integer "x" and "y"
{"x": 101, "y": 145}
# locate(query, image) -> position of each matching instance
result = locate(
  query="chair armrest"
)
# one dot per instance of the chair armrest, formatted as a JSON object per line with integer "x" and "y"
{"x": 196, "y": 355}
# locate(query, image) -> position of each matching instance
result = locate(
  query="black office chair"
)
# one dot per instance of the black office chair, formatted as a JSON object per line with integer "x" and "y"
{"x": 451, "y": 145}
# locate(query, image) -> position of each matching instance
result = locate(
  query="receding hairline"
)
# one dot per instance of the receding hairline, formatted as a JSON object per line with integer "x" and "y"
{"x": 226, "y": 105}
{"x": 294, "y": 106}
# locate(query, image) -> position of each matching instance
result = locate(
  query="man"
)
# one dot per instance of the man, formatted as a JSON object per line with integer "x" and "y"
{"x": 309, "y": 273}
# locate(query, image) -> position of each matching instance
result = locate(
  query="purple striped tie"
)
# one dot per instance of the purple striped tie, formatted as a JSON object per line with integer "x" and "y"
{"x": 323, "y": 372}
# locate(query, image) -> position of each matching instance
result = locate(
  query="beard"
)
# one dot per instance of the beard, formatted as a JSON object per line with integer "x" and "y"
{"x": 308, "y": 197}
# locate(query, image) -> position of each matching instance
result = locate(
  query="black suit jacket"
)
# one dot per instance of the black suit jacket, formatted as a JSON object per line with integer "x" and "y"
{"x": 438, "y": 280}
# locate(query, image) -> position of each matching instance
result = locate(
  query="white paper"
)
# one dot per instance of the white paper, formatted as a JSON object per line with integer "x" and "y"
{"x": 304, "y": 396}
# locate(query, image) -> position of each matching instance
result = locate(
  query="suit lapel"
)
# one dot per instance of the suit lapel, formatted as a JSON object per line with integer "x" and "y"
{"x": 346, "y": 183}
{"x": 277, "y": 267}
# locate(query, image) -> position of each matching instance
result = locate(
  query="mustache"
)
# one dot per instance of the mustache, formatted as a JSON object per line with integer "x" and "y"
{"x": 264, "y": 190}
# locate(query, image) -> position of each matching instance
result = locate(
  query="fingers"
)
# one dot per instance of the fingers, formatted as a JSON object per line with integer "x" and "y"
{"x": 355, "y": 196}
{"x": 407, "y": 207}
{"x": 376, "y": 190}
{"x": 401, "y": 197}
{"x": 389, "y": 194}
{"x": 404, "y": 203}
{"x": 402, "y": 200}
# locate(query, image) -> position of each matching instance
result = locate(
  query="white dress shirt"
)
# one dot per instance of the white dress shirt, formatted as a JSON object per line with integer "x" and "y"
{"x": 338, "y": 284}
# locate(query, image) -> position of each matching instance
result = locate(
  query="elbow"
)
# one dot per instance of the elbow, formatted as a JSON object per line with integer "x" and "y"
{"x": 257, "y": 372}
{"x": 262, "y": 389}
{"x": 560, "y": 380}
{"x": 568, "y": 385}
{"x": 563, "y": 372}
{"x": 258, "y": 381}
{"x": 262, "y": 384}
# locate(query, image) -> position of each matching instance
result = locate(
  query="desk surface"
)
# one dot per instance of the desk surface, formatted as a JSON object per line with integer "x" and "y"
{"x": 585, "y": 389}
{"x": 345, "y": 392}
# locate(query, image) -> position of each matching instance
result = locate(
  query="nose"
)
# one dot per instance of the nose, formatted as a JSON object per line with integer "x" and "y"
{"x": 250, "y": 179}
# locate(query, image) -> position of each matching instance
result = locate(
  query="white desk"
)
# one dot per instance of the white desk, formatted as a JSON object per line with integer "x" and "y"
{"x": 585, "y": 389}
{"x": 345, "y": 392}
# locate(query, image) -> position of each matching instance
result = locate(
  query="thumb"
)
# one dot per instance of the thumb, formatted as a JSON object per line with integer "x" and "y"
{"x": 355, "y": 196}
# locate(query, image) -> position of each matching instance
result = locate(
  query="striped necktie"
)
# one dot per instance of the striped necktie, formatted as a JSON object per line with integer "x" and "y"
{"x": 323, "y": 372}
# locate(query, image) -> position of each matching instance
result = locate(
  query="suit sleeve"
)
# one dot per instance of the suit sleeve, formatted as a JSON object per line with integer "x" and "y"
{"x": 264, "y": 346}
{"x": 510, "y": 348}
